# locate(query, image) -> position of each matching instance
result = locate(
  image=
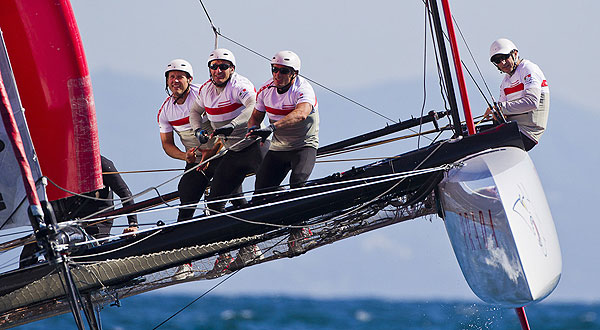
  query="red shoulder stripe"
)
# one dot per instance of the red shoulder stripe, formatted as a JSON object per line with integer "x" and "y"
{"x": 161, "y": 107}
{"x": 263, "y": 88}
{"x": 203, "y": 85}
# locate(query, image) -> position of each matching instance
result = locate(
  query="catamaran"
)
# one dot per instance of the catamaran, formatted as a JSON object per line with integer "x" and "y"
{"x": 480, "y": 181}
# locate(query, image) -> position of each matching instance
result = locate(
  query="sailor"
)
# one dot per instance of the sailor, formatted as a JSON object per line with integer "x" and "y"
{"x": 113, "y": 182}
{"x": 227, "y": 99}
{"x": 173, "y": 116}
{"x": 524, "y": 92}
{"x": 291, "y": 106}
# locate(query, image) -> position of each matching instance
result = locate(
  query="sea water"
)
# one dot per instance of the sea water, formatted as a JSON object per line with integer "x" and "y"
{"x": 283, "y": 312}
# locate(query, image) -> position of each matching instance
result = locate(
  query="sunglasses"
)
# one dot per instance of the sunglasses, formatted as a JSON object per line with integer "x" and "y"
{"x": 223, "y": 66}
{"x": 281, "y": 70}
{"x": 499, "y": 58}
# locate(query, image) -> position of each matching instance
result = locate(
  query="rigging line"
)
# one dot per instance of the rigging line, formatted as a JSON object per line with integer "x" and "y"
{"x": 313, "y": 81}
{"x": 401, "y": 179}
{"x": 113, "y": 250}
{"x": 437, "y": 58}
{"x": 215, "y": 30}
{"x": 143, "y": 171}
{"x": 424, "y": 79}
{"x": 359, "y": 207}
{"x": 381, "y": 178}
{"x": 377, "y": 143}
{"x": 349, "y": 99}
{"x": 474, "y": 62}
{"x": 193, "y": 301}
{"x": 218, "y": 154}
{"x": 212, "y": 288}
{"x": 464, "y": 65}
{"x": 377, "y": 180}
{"x": 91, "y": 219}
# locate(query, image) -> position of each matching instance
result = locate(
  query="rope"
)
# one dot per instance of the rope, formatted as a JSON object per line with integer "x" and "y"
{"x": 305, "y": 77}
{"x": 376, "y": 180}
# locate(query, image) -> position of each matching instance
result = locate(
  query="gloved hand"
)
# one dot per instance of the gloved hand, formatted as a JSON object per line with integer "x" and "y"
{"x": 201, "y": 135}
{"x": 225, "y": 130}
{"x": 263, "y": 133}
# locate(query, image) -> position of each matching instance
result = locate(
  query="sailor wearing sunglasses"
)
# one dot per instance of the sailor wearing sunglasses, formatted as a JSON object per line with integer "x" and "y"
{"x": 524, "y": 92}
{"x": 290, "y": 103}
{"x": 227, "y": 99}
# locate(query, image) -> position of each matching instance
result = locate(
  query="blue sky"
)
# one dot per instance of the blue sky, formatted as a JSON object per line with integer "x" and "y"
{"x": 371, "y": 52}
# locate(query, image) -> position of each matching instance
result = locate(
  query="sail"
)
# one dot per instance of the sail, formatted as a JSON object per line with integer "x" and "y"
{"x": 55, "y": 87}
{"x": 13, "y": 200}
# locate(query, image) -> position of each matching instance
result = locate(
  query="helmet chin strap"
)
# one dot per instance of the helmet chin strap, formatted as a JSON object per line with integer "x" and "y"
{"x": 515, "y": 58}
{"x": 223, "y": 84}
{"x": 182, "y": 94}
{"x": 220, "y": 85}
{"x": 285, "y": 88}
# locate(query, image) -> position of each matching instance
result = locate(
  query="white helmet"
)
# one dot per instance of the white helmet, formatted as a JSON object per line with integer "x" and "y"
{"x": 180, "y": 65}
{"x": 221, "y": 54}
{"x": 502, "y": 46}
{"x": 287, "y": 58}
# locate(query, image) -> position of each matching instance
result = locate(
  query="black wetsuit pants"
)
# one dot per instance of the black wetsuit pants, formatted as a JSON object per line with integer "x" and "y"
{"x": 192, "y": 186}
{"x": 277, "y": 164}
{"x": 231, "y": 172}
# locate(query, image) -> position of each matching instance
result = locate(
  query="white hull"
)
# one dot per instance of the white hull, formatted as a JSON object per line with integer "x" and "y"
{"x": 501, "y": 228}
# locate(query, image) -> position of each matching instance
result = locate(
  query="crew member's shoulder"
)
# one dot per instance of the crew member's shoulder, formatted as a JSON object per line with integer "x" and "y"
{"x": 204, "y": 86}
{"x": 265, "y": 86}
{"x": 529, "y": 66}
{"x": 165, "y": 102}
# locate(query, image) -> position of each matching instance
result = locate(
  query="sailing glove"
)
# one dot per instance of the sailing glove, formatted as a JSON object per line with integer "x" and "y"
{"x": 224, "y": 130}
{"x": 263, "y": 133}
{"x": 201, "y": 135}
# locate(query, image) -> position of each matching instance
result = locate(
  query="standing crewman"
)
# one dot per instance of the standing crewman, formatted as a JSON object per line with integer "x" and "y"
{"x": 227, "y": 99}
{"x": 174, "y": 116}
{"x": 291, "y": 106}
{"x": 524, "y": 92}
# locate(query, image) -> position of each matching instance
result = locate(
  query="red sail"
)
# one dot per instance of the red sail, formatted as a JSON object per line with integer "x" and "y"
{"x": 51, "y": 72}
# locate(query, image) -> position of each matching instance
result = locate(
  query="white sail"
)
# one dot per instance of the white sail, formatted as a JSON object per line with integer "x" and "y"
{"x": 13, "y": 201}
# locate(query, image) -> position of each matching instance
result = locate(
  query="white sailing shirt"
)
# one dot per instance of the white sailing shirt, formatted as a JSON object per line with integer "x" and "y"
{"x": 525, "y": 98}
{"x": 176, "y": 117}
{"x": 225, "y": 105}
{"x": 277, "y": 106}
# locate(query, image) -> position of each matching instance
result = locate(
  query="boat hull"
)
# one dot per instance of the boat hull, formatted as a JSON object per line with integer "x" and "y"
{"x": 501, "y": 228}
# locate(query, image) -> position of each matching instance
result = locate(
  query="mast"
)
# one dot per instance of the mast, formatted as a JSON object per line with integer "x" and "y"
{"x": 439, "y": 35}
{"x": 458, "y": 68}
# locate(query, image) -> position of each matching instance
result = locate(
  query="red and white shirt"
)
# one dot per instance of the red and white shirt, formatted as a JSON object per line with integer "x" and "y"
{"x": 525, "y": 98}
{"x": 176, "y": 117}
{"x": 232, "y": 103}
{"x": 277, "y": 106}
{"x": 227, "y": 103}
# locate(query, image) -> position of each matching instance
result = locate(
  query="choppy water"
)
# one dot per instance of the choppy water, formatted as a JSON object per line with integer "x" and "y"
{"x": 252, "y": 312}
